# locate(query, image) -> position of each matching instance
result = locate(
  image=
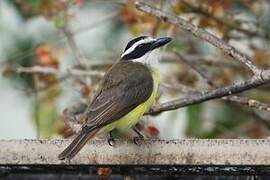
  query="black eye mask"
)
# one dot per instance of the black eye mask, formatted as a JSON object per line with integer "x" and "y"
{"x": 133, "y": 41}
{"x": 139, "y": 51}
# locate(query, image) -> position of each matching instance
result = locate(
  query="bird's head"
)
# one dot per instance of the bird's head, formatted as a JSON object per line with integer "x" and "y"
{"x": 140, "y": 48}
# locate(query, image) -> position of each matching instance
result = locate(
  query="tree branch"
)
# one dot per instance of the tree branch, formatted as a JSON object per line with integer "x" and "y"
{"x": 196, "y": 69}
{"x": 252, "y": 103}
{"x": 73, "y": 46}
{"x": 53, "y": 71}
{"x": 180, "y": 87}
{"x": 229, "y": 23}
{"x": 259, "y": 78}
{"x": 238, "y": 87}
{"x": 235, "y": 99}
{"x": 168, "y": 57}
{"x": 200, "y": 33}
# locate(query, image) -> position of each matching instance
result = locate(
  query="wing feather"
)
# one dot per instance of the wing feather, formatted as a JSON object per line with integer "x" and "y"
{"x": 124, "y": 87}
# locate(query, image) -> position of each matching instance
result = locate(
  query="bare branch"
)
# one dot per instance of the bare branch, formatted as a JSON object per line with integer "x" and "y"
{"x": 212, "y": 94}
{"x": 248, "y": 102}
{"x": 260, "y": 77}
{"x": 235, "y": 99}
{"x": 73, "y": 46}
{"x": 252, "y": 103}
{"x": 200, "y": 33}
{"x": 229, "y": 23}
{"x": 168, "y": 57}
{"x": 195, "y": 68}
{"x": 180, "y": 87}
{"x": 53, "y": 71}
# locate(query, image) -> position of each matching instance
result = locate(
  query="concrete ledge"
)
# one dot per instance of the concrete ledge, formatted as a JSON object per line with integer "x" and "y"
{"x": 177, "y": 152}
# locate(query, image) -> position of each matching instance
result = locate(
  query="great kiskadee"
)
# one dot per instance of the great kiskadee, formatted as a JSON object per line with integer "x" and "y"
{"x": 127, "y": 91}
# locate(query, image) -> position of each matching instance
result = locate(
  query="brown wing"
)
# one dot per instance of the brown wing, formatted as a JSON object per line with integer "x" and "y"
{"x": 124, "y": 87}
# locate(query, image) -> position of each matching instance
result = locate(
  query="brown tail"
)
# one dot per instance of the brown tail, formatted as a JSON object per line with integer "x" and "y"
{"x": 76, "y": 145}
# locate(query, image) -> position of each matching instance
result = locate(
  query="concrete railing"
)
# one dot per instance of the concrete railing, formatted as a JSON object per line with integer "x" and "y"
{"x": 177, "y": 152}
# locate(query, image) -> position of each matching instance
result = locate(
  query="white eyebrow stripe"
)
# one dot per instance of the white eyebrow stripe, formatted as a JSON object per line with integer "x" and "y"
{"x": 143, "y": 41}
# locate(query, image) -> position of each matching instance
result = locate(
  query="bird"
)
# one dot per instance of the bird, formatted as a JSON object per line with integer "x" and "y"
{"x": 127, "y": 90}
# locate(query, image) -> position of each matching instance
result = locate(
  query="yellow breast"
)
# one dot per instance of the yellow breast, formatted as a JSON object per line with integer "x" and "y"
{"x": 134, "y": 116}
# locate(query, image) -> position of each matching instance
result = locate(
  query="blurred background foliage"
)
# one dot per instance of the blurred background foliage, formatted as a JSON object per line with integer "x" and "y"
{"x": 90, "y": 35}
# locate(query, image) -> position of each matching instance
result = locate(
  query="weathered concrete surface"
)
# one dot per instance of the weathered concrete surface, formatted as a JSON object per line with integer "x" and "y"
{"x": 178, "y": 152}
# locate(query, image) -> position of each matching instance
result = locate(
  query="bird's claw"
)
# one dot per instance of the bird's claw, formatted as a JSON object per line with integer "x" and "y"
{"x": 111, "y": 140}
{"x": 67, "y": 161}
{"x": 138, "y": 140}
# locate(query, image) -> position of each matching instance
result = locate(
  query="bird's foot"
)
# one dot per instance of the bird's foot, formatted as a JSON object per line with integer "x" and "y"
{"x": 67, "y": 161}
{"x": 111, "y": 140}
{"x": 138, "y": 140}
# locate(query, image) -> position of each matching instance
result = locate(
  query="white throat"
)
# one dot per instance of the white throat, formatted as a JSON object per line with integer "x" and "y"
{"x": 150, "y": 59}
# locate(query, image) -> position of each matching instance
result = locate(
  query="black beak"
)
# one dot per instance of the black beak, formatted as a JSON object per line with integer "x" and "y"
{"x": 160, "y": 42}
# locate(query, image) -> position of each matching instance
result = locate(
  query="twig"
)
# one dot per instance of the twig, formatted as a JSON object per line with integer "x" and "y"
{"x": 235, "y": 99}
{"x": 180, "y": 87}
{"x": 59, "y": 41}
{"x": 230, "y": 24}
{"x": 212, "y": 94}
{"x": 252, "y": 103}
{"x": 259, "y": 78}
{"x": 73, "y": 46}
{"x": 49, "y": 70}
{"x": 195, "y": 68}
{"x": 200, "y": 60}
{"x": 200, "y": 33}
{"x": 249, "y": 102}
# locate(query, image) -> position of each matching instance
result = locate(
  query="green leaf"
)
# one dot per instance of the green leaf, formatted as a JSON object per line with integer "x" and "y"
{"x": 194, "y": 120}
{"x": 45, "y": 116}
